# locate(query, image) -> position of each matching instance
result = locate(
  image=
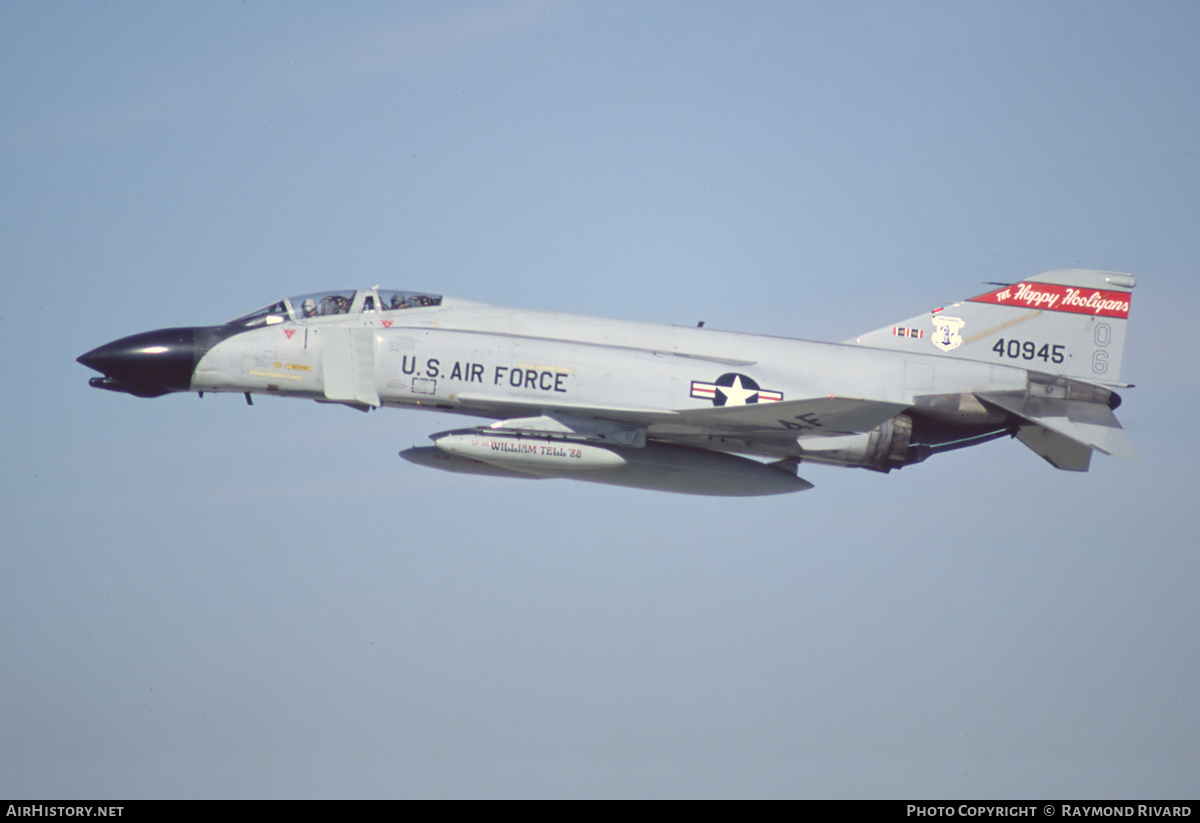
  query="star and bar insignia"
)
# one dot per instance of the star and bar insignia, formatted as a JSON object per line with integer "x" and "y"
{"x": 734, "y": 389}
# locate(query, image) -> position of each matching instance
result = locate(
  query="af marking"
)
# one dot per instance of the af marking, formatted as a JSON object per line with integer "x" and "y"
{"x": 802, "y": 422}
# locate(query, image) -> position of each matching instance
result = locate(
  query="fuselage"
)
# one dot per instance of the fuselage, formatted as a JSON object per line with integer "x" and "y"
{"x": 669, "y": 406}
{"x": 475, "y": 358}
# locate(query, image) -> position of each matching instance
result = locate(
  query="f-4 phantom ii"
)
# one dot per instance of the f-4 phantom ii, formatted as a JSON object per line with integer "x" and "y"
{"x": 672, "y": 408}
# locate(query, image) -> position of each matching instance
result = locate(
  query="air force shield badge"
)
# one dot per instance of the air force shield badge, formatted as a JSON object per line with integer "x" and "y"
{"x": 946, "y": 332}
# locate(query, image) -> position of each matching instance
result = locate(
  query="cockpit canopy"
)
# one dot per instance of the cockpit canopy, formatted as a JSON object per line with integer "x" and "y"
{"x": 328, "y": 303}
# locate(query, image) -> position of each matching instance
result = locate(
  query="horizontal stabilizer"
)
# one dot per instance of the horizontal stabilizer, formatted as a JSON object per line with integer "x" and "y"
{"x": 1059, "y": 451}
{"x": 1069, "y": 425}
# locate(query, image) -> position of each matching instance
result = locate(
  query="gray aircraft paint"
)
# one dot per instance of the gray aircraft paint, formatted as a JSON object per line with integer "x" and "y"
{"x": 682, "y": 409}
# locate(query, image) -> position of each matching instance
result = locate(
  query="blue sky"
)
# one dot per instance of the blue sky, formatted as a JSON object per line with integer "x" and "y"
{"x": 202, "y": 599}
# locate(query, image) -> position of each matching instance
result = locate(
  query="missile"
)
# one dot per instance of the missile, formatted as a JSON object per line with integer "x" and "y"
{"x": 657, "y": 466}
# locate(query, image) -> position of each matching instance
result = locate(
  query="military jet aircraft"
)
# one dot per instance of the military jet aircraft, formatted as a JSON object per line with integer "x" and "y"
{"x": 671, "y": 408}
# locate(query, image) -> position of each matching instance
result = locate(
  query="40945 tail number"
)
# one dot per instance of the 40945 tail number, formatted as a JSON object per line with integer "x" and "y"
{"x": 1029, "y": 350}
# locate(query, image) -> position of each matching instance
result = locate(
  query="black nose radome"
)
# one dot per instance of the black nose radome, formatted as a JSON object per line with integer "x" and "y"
{"x": 147, "y": 364}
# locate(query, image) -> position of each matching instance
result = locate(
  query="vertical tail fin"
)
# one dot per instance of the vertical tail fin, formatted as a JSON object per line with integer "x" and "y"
{"x": 1069, "y": 322}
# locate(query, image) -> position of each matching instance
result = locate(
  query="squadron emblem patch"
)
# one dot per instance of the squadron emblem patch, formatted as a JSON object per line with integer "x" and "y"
{"x": 946, "y": 332}
{"x": 734, "y": 389}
